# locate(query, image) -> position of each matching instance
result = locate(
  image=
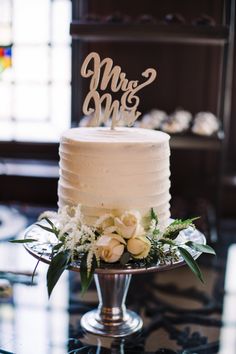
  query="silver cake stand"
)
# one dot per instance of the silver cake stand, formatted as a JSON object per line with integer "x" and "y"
{"x": 111, "y": 318}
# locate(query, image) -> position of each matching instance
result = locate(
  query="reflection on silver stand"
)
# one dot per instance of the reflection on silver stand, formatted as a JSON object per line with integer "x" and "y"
{"x": 111, "y": 317}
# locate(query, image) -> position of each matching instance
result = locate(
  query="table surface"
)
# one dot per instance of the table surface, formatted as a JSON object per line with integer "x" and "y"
{"x": 180, "y": 314}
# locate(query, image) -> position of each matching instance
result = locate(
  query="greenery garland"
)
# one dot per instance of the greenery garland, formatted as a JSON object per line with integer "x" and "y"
{"x": 114, "y": 241}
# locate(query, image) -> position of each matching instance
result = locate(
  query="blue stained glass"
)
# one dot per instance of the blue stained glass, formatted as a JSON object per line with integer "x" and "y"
{"x": 8, "y": 52}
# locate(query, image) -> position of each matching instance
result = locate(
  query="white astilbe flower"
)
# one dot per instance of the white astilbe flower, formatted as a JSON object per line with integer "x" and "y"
{"x": 71, "y": 241}
{"x": 47, "y": 214}
{"x": 82, "y": 248}
{"x": 78, "y": 237}
{"x": 70, "y": 223}
{"x": 90, "y": 260}
{"x": 89, "y": 236}
{"x": 96, "y": 253}
{"x": 88, "y": 233}
{"x": 63, "y": 213}
{"x": 78, "y": 215}
{"x": 67, "y": 229}
{"x": 68, "y": 214}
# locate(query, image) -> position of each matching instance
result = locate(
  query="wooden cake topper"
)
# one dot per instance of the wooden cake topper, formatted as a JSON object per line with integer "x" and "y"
{"x": 113, "y": 78}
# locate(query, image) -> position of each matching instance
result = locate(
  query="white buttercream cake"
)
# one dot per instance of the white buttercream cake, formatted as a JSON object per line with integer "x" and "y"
{"x": 116, "y": 170}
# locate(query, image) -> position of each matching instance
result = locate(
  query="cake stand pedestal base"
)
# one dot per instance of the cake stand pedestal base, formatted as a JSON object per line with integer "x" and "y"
{"x": 111, "y": 319}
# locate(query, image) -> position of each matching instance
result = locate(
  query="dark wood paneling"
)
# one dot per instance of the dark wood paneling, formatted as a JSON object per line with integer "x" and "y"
{"x": 28, "y": 190}
{"x": 158, "y": 8}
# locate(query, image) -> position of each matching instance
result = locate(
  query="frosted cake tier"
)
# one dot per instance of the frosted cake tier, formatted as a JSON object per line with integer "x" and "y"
{"x": 108, "y": 170}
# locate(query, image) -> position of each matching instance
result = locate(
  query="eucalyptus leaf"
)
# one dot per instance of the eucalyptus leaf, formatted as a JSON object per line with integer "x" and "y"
{"x": 49, "y": 221}
{"x": 174, "y": 234}
{"x": 58, "y": 264}
{"x": 173, "y": 230}
{"x": 167, "y": 241}
{"x": 124, "y": 259}
{"x": 35, "y": 268}
{"x": 156, "y": 232}
{"x": 86, "y": 278}
{"x": 25, "y": 240}
{"x": 191, "y": 263}
{"x": 200, "y": 247}
{"x": 56, "y": 248}
{"x": 46, "y": 228}
{"x": 55, "y": 230}
{"x": 154, "y": 215}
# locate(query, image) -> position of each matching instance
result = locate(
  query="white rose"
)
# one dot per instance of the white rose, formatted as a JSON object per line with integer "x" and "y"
{"x": 110, "y": 247}
{"x": 105, "y": 222}
{"x": 128, "y": 225}
{"x": 139, "y": 247}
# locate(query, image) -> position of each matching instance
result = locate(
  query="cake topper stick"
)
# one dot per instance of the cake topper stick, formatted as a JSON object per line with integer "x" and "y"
{"x": 104, "y": 75}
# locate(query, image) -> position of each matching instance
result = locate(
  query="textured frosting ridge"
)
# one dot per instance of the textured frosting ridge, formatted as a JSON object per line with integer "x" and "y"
{"x": 108, "y": 170}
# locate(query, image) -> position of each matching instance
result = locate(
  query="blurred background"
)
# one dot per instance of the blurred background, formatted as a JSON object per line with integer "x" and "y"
{"x": 41, "y": 91}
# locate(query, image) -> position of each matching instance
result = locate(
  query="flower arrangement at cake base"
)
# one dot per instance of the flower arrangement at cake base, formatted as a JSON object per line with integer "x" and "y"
{"x": 115, "y": 240}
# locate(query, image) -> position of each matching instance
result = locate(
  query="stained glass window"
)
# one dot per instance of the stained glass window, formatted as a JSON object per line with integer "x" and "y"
{"x": 5, "y": 35}
{"x": 35, "y": 69}
{"x": 5, "y": 58}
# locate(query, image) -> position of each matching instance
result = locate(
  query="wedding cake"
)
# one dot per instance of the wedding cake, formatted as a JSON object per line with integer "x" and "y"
{"x": 110, "y": 180}
{"x": 107, "y": 170}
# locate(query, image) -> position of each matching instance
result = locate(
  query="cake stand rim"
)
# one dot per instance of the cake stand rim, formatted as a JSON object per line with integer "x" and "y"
{"x": 129, "y": 270}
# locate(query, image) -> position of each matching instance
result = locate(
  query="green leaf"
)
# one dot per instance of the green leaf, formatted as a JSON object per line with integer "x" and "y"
{"x": 200, "y": 247}
{"x": 50, "y": 222}
{"x": 191, "y": 263}
{"x": 46, "y": 228}
{"x": 124, "y": 259}
{"x": 176, "y": 226}
{"x": 156, "y": 232}
{"x": 86, "y": 278}
{"x": 35, "y": 268}
{"x": 154, "y": 215}
{"x": 55, "y": 230}
{"x": 25, "y": 240}
{"x": 57, "y": 247}
{"x": 58, "y": 264}
{"x": 167, "y": 241}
